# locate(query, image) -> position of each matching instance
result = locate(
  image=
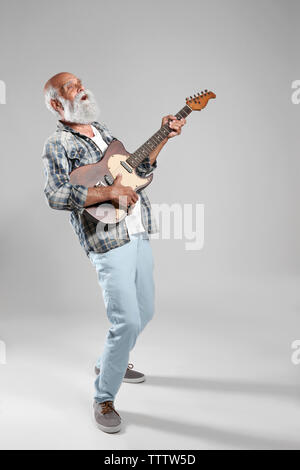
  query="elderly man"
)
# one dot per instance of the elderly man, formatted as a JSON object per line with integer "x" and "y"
{"x": 122, "y": 258}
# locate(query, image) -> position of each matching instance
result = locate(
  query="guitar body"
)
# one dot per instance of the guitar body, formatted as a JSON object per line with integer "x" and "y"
{"x": 103, "y": 173}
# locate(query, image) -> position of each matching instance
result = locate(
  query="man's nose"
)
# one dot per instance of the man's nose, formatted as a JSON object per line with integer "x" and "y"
{"x": 80, "y": 88}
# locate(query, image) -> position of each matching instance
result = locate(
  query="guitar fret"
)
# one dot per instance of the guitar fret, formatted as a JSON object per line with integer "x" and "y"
{"x": 150, "y": 144}
{"x": 144, "y": 150}
{"x": 156, "y": 140}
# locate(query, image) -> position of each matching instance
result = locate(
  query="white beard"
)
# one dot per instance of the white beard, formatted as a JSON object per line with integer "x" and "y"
{"x": 80, "y": 111}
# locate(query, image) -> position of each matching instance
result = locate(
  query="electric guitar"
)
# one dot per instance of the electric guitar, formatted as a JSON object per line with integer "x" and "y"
{"x": 117, "y": 160}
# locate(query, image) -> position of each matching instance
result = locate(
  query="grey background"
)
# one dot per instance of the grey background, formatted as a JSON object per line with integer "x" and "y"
{"x": 233, "y": 307}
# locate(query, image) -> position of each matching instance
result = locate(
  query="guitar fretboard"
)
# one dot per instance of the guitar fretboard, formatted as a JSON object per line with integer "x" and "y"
{"x": 144, "y": 151}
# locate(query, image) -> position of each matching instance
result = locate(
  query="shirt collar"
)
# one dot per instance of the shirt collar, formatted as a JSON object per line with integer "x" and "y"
{"x": 63, "y": 127}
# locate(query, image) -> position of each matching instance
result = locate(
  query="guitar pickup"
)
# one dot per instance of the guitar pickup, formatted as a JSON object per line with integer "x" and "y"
{"x": 127, "y": 167}
{"x": 109, "y": 179}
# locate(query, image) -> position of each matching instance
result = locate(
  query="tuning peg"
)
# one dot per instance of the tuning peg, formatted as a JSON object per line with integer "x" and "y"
{"x": 205, "y": 91}
{"x": 186, "y": 99}
{"x": 191, "y": 97}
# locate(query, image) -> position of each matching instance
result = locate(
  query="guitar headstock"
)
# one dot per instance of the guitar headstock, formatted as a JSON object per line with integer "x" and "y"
{"x": 199, "y": 101}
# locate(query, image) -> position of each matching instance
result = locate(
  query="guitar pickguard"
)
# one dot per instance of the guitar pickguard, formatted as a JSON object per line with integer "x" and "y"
{"x": 128, "y": 178}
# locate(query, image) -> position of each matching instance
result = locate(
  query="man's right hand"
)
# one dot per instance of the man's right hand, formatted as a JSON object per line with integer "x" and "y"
{"x": 117, "y": 190}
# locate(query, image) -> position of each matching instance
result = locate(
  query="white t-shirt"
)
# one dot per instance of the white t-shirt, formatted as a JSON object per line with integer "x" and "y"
{"x": 98, "y": 139}
{"x": 134, "y": 220}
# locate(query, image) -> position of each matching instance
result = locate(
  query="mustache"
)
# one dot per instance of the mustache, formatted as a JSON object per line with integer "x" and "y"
{"x": 81, "y": 94}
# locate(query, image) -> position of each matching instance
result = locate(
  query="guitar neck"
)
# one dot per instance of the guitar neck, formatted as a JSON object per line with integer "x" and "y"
{"x": 144, "y": 150}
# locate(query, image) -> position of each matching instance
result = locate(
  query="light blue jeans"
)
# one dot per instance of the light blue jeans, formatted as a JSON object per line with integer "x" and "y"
{"x": 125, "y": 275}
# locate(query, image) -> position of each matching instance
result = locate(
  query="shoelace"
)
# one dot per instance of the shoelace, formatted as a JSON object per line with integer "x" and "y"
{"x": 107, "y": 407}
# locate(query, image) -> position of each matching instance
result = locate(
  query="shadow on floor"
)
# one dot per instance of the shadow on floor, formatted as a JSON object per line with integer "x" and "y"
{"x": 230, "y": 386}
{"x": 218, "y": 437}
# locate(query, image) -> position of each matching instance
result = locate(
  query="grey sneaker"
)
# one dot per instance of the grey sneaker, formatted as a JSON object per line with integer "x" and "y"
{"x": 107, "y": 418}
{"x": 131, "y": 376}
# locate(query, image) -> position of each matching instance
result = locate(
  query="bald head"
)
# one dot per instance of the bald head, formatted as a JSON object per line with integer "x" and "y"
{"x": 59, "y": 80}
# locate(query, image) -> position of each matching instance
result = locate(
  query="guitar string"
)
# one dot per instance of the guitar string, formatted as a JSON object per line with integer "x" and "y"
{"x": 178, "y": 115}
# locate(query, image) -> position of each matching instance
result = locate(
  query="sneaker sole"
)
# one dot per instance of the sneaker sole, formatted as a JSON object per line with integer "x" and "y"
{"x": 133, "y": 381}
{"x": 109, "y": 430}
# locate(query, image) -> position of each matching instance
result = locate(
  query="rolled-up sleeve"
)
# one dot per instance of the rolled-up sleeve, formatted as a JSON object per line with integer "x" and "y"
{"x": 145, "y": 168}
{"x": 59, "y": 192}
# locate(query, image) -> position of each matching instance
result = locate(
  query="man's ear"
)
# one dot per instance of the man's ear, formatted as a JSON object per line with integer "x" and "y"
{"x": 56, "y": 105}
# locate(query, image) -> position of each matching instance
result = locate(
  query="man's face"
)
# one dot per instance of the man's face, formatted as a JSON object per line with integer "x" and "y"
{"x": 78, "y": 105}
{"x": 70, "y": 87}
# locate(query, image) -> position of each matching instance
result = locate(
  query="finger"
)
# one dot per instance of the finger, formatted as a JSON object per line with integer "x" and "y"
{"x": 167, "y": 119}
{"x": 176, "y": 127}
{"x": 176, "y": 131}
{"x": 134, "y": 197}
{"x": 176, "y": 123}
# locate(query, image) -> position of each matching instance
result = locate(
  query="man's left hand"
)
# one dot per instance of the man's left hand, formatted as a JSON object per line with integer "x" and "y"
{"x": 175, "y": 124}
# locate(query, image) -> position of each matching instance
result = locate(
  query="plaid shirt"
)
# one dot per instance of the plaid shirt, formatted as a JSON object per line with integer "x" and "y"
{"x": 66, "y": 150}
